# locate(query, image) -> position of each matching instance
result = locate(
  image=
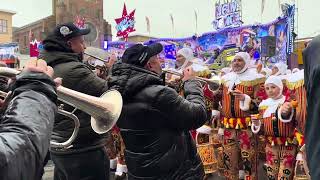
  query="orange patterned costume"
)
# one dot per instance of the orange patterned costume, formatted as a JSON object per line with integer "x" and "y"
{"x": 239, "y": 143}
{"x": 295, "y": 84}
{"x": 280, "y": 147}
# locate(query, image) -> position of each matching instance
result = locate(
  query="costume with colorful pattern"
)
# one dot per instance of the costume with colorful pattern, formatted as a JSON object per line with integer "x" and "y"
{"x": 239, "y": 144}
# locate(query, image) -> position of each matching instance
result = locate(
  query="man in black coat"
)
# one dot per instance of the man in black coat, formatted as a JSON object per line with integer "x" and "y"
{"x": 155, "y": 121}
{"x": 311, "y": 58}
{"x": 27, "y": 122}
{"x": 87, "y": 158}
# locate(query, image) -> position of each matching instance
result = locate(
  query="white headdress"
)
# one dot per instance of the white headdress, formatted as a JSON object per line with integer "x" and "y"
{"x": 246, "y": 57}
{"x": 282, "y": 68}
{"x": 276, "y": 80}
{"x": 186, "y": 53}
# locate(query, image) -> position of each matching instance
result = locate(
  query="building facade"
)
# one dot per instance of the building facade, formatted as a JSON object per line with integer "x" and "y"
{"x": 138, "y": 38}
{"x": 85, "y": 13}
{"x": 6, "y": 26}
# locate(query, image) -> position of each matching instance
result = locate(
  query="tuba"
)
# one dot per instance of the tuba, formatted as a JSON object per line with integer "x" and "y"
{"x": 104, "y": 110}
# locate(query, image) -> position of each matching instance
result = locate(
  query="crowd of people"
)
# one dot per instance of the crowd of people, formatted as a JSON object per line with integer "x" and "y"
{"x": 170, "y": 127}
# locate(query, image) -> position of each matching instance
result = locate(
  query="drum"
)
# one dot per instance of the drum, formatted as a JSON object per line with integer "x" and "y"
{"x": 205, "y": 149}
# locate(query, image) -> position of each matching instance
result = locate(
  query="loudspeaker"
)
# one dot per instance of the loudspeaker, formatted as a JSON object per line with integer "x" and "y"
{"x": 268, "y": 46}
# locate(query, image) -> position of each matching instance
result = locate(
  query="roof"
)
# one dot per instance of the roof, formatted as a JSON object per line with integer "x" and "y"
{"x": 140, "y": 34}
{"x": 33, "y": 23}
{"x": 8, "y": 11}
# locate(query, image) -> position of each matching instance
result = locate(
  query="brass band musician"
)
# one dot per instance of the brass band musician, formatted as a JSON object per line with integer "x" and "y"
{"x": 87, "y": 158}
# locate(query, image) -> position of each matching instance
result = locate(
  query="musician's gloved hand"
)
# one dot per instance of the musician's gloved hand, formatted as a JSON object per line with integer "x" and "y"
{"x": 188, "y": 73}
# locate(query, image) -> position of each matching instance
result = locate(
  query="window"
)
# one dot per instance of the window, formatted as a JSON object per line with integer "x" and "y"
{"x": 3, "y": 26}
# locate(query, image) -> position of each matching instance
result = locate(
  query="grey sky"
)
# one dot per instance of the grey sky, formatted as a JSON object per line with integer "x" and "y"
{"x": 183, "y": 12}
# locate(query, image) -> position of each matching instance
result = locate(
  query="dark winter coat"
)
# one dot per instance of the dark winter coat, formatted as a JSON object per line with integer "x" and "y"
{"x": 79, "y": 77}
{"x": 311, "y": 58}
{"x": 155, "y": 123}
{"x": 26, "y": 126}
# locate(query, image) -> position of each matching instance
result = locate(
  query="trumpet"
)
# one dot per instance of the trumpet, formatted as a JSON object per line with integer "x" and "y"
{"x": 104, "y": 110}
{"x": 214, "y": 83}
{"x": 96, "y": 57}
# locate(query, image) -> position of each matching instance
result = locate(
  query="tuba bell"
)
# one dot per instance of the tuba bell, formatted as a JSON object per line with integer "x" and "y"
{"x": 104, "y": 110}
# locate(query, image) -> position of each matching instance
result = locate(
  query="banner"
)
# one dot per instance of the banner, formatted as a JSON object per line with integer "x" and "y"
{"x": 223, "y": 44}
{"x": 8, "y": 52}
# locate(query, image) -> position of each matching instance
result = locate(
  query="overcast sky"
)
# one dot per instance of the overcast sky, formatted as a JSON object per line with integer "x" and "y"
{"x": 182, "y": 10}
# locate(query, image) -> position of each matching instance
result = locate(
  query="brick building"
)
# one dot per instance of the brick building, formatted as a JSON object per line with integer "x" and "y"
{"x": 6, "y": 26}
{"x": 67, "y": 11}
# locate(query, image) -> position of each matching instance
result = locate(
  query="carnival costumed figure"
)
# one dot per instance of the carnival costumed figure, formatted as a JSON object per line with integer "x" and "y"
{"x": 183, "y": 60}
{"x": 239, "y": 101}
{"x": 279, "y": 69}
{"x": 115, "y": 146}
{"x": 295, "y": 85}
{"x": 277, "y": 121}
{"x": 206, "y": 139}
{"x": 204, "y": 135}
{"x": 266, "y": 72}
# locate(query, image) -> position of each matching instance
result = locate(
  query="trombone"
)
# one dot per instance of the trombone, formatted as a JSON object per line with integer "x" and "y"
{"x": 104, "y": 110}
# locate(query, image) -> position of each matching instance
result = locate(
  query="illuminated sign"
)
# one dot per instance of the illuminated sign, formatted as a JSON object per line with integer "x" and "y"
{"x": 105, "y": 44}
{"x": 228, "y": 15}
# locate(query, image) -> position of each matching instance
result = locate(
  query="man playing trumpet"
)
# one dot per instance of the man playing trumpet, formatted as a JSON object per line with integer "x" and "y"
{"x": 155, "y": 120}
{"x": 87, "y": 158}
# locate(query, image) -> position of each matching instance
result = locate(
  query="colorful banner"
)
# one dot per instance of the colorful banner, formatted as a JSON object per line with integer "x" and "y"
{"x": 231, "y": 40}
{"x": 8, "y": 52}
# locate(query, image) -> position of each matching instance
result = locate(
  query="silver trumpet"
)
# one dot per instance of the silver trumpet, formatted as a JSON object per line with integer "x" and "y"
{"x": 96, "y": 57}
{"x": 104, "y": 110}
{"x": 214, "y": 83}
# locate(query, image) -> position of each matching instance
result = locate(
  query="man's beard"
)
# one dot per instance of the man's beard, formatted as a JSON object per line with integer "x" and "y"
{"x": 178, "y": 64}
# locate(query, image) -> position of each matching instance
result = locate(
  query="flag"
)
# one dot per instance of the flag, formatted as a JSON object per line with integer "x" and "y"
{"x": 33, "y": 48}
{"x": 263, "y": 2}
{"x": 148, "y": 24}
{"x": 196, "y": 18}
{"x": 172, "y": 22}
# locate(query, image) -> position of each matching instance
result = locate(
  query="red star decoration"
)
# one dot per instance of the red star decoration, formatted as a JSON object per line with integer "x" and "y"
{"x": 80, "y": 22}
{"x": 125, "y": 24}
